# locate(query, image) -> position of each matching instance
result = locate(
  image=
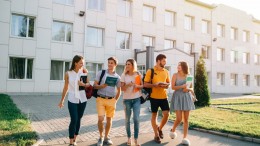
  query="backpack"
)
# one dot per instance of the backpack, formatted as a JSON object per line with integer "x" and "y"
{"x": 94, "y": 93}
{"x": 146, "y": 92}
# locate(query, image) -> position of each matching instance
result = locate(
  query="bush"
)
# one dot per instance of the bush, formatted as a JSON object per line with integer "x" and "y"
{"x": 201, "y": 84}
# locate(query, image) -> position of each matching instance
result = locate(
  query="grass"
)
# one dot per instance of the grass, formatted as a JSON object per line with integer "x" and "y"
{"x": 240, "y": 117}
{"x": 15, "y": 128}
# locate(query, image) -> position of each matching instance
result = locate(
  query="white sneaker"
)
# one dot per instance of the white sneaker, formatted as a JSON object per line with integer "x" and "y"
{"x": 100, "y": 142}
{"x": 75, "y": 143}
{"x": 172, "y": 135}
{"x": 185, "y": 141}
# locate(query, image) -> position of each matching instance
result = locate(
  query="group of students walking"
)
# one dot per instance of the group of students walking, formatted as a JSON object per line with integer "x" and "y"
{"x": 110, "y": 85}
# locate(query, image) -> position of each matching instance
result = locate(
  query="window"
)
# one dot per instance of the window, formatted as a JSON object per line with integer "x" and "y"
{"x": 93, "y": 69}
{"x": 233, "y": 33}
{"x": 220, "y": 30}
{"x": 98, "y": 5}
{"x": 205, "y": 27}
{"x": 233, "y": 79}
{"x": 246, "y": 58}
{"x": 148, "y": 41}
{"x": 141, "y": 69}
{"x": 257, "y": 80}
{"x": 65, "y": 2}
{"x": 58, "y": 69}
{"x": 233, "y": 56}
{"x": 220, "y": 54}
{"x": 205, "y": 52}
{"x": 123, "y": 40}
{"x": 148, "y": 13}
{"x": 188, "y": 23}
{"x": 188, "y": 47}
{"x": 124, "y": 8}
{"x": 169, "y": 44}
{"x": 22, "y": 26}
{"x": 246, "y": 80}
{"x": 169, "y": 18}
{"x": 20, "y": 68}
{"x": 61, "y": 31}
{"x": 246, "y": 36}
{"x": 220, "y": 79}
{"x": 95, "y": 36}
{"x": 257, "y": 59}
{"x": 257, "y": 39}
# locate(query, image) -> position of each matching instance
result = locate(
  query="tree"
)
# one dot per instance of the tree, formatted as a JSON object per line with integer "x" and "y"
{"x": 201, "y": 84}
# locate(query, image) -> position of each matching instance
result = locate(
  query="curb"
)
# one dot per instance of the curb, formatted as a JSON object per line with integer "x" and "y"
{"x": 243, "y": 138}
{"x": 38, "y": 142}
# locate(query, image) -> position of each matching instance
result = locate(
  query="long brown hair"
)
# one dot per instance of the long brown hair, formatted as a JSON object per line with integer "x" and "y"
{"x": 75, "y": 59}
{"x": 184, "y": 67}
{"x": 134, "y": 64}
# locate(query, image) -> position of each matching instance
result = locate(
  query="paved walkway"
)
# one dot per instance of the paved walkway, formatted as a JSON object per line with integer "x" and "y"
{"x": 51, "y": 124}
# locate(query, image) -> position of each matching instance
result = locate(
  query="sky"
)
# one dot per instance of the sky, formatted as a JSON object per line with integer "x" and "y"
{"x": 251, "y": 7}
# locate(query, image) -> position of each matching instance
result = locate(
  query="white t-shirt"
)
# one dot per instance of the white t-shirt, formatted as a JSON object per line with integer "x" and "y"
{"x": 130, "y": 93}
{"x": 75, "y": 95}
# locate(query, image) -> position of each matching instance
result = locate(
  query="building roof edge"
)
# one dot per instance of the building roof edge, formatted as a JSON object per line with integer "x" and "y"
{"x": 202, "y": 4}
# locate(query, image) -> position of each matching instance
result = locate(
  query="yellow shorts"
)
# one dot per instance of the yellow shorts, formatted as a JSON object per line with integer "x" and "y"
{"x": 106, "y": 107}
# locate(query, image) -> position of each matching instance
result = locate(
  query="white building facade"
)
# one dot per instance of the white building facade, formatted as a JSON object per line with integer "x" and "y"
{"x": 40, "y": 37}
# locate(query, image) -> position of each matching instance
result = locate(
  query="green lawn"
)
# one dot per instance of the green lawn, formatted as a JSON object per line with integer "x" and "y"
{"x": 15, "y": 128}
{"x": 242, "y": 117}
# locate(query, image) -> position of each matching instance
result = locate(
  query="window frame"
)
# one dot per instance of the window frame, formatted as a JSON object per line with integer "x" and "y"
{"x": 150, "y": 37}
{"x": 173, "y": 23}
{"x": 153, "y": 13}
{"x": 125, "y": 33}
{"x": 25, "y": 68}
{"x": 207, "y": 25}
{"x": 98, "y": 6}
{"x": 246, "y": 36}
{"x": 222, "y": 29}
{"x": 246, "y": 80}
{"x": 247, "y": 59}
{"x": 27, "y": 26}
{"x": 222, "y": 51}
{"x": 235, "y": 35}
{"x": 65, "y": 3}
{"x": 103, "y": 37}
{"x": 63, "y": 68}
{"x": 222, "y": 79}
{"x": 65, "y": 32}
{"x": 207, "y": 52}
{"x": 125, "y": 10}
{"x": 235, "y": 75}
{"x": 190, "y": 26}
{"x": 235, "y": 59}
{"x": 171, "y": 41}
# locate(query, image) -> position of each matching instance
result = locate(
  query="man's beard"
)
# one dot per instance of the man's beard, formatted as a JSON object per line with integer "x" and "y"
{"x": 162, "y": 65}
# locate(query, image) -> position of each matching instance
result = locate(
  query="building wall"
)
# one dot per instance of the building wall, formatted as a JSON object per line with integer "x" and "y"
{"x": 43, "y": 49}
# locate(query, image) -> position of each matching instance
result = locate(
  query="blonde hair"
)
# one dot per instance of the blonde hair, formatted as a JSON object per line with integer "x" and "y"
{"x": 134, "y": 64}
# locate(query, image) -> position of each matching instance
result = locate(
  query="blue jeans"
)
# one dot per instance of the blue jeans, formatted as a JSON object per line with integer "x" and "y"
{"x": 76, "y": 111}
{"x": 129, "y": 105}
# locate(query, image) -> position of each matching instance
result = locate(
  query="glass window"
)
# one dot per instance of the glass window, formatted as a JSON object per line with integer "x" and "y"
{"x": 148, "y": 41}
{"x": 246, "y": 58}
{"x": 169, "y": 44}
{"x": 22, "y": 26}
{"x": 65, "y": 2}
{"x": 205, "y": 52}
{"x": 246, "y": 36}
{"x": 257, "y": 59}
{"x": 205, "y": 27}
{"x": 233, "y": 79}
{"x": 95, "y": 36}
{"x": 124, "y": 8}
{"x": 98, "y": 5}
{"x": 220, "y": 30}
{"x": 169, "y": 18}
{"x": 148, "y": 13}
{"x": 245, "y": 80}
{"x": 257, "y": 80}
{"x": 233, "y": 33}
{"x": 93, "y": 69}
{"x": 220, "y": 54}
{"x": 61, "y": 31}
{"x": 233, "y": 56}
{"x": 188, "y": 47}
{"x": 123, "y": 40}
{"x": 58, "y": 69}
{"x": 20, "y": 68}
{"x": 188, "y": 23}
{"x": 220, "y": 78}
{"x": 141, "y": 69}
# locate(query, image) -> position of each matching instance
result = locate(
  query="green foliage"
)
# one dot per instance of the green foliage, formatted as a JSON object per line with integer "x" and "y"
{"x": 14, "y": 126}
{"x": 201, "y": 84}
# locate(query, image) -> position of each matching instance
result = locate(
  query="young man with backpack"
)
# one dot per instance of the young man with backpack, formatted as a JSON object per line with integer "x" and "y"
{"x": 107, "y": 95}
{"x": 158, "y": 98}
